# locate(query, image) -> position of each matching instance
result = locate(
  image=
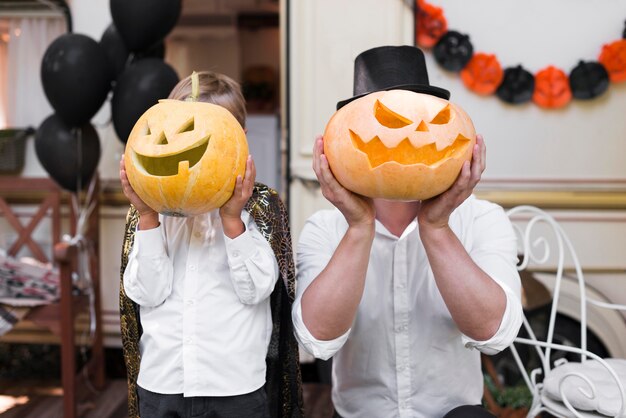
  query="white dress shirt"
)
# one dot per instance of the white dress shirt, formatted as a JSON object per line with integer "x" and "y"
{"x": 404, "y": 356}
{"x": 204, "y": 306}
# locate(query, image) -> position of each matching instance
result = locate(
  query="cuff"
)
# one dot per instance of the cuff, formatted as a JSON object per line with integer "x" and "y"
{"x": 241, "y": 248}
{"x": 322, "y": 349}
{"x": 149, "y": 242}
{"x": 508, "y": 330}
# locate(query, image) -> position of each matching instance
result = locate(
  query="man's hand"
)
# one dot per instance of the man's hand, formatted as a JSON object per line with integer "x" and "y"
{"x": 435, "y": 212}
{"x": 230, "y": 212}
{"x": 148, "y": 218}
{"x": 358, "y": 210}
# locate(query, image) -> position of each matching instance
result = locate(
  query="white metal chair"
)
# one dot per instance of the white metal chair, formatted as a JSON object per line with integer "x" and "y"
{"x": 593, "y": 387}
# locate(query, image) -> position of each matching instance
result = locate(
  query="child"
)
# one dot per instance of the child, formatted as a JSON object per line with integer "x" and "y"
{"x": 208, "y": 335}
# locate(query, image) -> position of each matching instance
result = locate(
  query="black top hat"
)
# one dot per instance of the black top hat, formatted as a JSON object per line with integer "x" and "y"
{"x": 391, "y": 68}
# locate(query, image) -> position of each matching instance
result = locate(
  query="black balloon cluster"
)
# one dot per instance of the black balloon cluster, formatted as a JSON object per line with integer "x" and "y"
{"x": 78, "y": 73}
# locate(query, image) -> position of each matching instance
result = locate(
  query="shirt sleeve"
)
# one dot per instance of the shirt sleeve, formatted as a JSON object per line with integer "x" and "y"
{"x": 148, "y": 277}
{"x": 494, "y": 250}
{"x": 253, "y": 266}
{"x": 315, "y": 249}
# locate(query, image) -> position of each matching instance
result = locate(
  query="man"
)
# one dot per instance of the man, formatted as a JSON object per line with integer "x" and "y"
{"x": 405, "y": 295}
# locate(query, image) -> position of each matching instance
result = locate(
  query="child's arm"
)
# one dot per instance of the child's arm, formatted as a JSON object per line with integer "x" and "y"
{"x": 149, "y": 273}
{"x": 253, "y": 266}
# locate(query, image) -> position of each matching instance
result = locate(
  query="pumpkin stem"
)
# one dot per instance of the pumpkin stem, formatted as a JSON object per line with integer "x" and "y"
{"x": 195, "y": 87}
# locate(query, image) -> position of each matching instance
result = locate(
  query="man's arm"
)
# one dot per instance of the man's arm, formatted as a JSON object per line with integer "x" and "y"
{"x": 476, "y": 302}
{"x": 330, "y": 302}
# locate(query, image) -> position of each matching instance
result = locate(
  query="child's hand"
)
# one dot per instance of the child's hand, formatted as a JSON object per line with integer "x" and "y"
{"x": 147, "y": 215}
{"x": 230, "y": 212}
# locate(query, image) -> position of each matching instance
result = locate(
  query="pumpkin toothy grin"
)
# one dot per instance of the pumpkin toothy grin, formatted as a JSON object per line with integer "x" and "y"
{"x": 405, "y": 153}
{"x": 169, "y": 165}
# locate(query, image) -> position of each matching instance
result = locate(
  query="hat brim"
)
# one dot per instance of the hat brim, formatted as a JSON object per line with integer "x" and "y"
{"x": 417, "y": 88}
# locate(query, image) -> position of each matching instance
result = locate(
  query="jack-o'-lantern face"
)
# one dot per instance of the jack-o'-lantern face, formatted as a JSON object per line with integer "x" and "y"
{"x": 182, "y": 158}
{"x": 398, "y": 144}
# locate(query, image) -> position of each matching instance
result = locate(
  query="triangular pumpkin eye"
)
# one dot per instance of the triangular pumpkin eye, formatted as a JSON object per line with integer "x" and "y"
{"x": 388, "y": 117}
{"x": 146, "y": 129}
{"x": 162, "y": 139}
{"x": 442, "y": 117}
{"x": 188, "y": 126}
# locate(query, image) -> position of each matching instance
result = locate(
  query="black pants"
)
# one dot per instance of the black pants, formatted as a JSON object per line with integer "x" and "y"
{"x": 466, "y": 411}
{"x": 156, "y": 405}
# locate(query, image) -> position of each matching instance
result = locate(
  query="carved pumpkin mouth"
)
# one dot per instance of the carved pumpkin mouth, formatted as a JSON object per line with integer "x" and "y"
{"x": 173, "y": 164}
{"x": 405, "y": 153}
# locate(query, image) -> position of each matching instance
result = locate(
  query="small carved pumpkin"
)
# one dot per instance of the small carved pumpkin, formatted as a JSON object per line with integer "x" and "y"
{"x": 613, "y": 57}
{"x": 182, "y": 158}
{"x": 517, "y": 86}
{"x": 398, "y": 144}
{"x": 552, "y": 88}
{"x": 588, "y": 80}
{"x": 431, "y": 24}
{"x": 482, "y": 74}
{"x": 453, "y": 51}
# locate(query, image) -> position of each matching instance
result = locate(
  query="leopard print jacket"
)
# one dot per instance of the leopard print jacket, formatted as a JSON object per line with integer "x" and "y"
{"x": 283, "y": 378}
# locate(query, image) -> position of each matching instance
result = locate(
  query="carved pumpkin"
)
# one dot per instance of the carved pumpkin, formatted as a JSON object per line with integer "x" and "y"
{"x": 613, "y": 57}
{"x": 552, "y": 88}
{"x": 182, "y": 158}
{"x": 398, "y": 144}
{"x": 482, "y": 74}
{"x": 431, "y": 24}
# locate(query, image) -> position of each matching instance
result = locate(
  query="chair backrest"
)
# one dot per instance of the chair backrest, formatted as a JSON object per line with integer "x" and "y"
{"x": 44, "y": 193}
{"x": 542, "y": 242}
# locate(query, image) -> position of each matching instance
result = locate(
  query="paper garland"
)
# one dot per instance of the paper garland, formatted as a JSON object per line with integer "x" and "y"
{"x": 482, "y": 73}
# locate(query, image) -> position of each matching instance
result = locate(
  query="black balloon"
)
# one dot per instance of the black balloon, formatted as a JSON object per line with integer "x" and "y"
{"x": 624, "y": 33}
{"x": 155, "y": 51}
{"x": 453, "y": 51}
{"x": 69, "y": 155}
{"x": 517, "y": 86}
{"x": 116, "y": 51}
{"x": 588, "y": 80}
{"x": 118, "y": 55}
{"x": 142, "y": 23}
{"x": 75, "y": 77}
{"x": 139, "y": 87}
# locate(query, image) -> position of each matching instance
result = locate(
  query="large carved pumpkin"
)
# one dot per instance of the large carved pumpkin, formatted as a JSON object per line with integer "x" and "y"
{"x": 182, "y": 158}
{"x": 398, "y": 144}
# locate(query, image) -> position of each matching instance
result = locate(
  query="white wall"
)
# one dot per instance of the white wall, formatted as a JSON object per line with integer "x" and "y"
{"x": 579, "y": 148}
{"x": 586, "y": 140}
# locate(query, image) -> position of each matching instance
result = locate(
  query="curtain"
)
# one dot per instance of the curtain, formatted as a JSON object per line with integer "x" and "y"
{"x": 4, "y": 37}
{"x": 26, "y": 103}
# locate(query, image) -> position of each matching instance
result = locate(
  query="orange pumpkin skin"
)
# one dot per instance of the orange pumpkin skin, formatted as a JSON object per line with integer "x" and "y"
{"x": 183, "y": 158}
{"x": 398, "y": 145}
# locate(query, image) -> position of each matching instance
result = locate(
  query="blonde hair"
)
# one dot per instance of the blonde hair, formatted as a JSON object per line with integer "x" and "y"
{"x": 214, "y": 88}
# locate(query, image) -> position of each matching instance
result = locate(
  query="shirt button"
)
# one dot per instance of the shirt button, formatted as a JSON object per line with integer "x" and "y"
{"x": 189, "y": 301}
{"x": 192, "y": 267}
{"x": 235, "y": 253}
{"x": 197, "y": 234}
{"x": 188, "y": 340}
